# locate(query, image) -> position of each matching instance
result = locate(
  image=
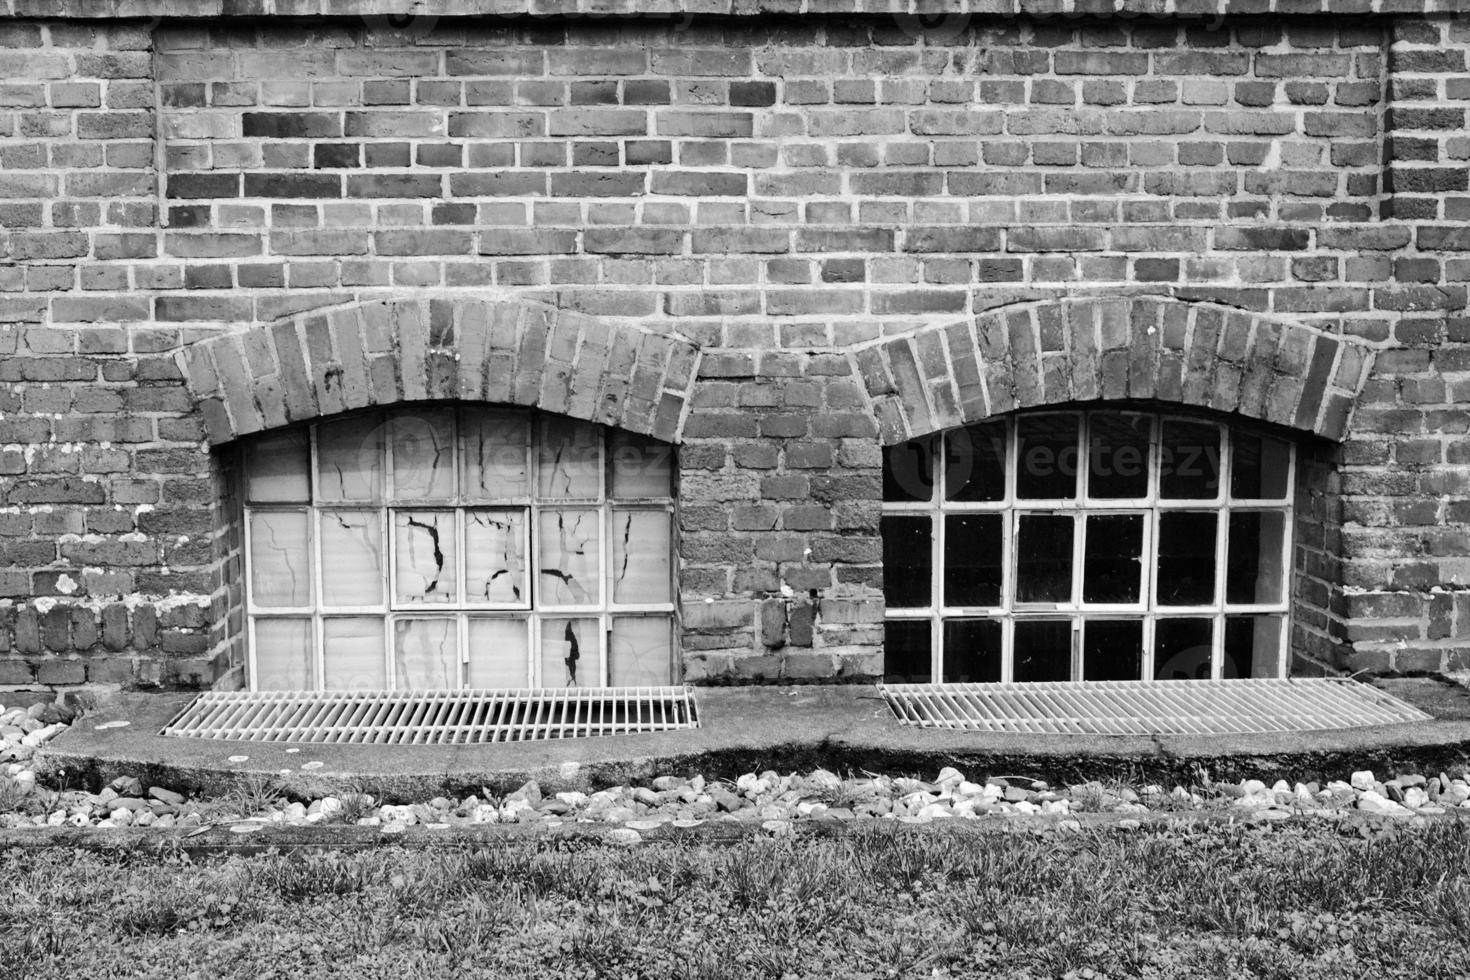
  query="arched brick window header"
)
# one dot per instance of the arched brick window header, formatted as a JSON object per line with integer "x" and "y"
{"x": 385, "y": 353}
{"x": 1135, "y": 347}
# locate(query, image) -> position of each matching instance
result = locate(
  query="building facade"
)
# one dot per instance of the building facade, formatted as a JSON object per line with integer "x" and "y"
{"x": 619, "y": 343}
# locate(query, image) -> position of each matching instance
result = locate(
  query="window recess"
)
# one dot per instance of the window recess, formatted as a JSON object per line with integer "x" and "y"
{"x": 1087, "y": 545}
{"x": 458, "y": 547}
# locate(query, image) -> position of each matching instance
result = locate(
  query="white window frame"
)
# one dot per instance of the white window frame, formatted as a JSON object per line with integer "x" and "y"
{"x": 1151, "y": 506}
{"x": 529, "y": 612}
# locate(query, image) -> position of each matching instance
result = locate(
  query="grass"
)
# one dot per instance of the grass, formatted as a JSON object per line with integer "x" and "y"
{"x": 880, "y": 900}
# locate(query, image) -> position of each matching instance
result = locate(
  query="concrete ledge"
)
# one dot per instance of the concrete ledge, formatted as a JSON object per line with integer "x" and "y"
{"x": 742, "y": 730}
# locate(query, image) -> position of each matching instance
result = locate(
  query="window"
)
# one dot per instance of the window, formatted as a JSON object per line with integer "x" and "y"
{"x": 470, "y": 547}
{"x": 1099, "y": 545}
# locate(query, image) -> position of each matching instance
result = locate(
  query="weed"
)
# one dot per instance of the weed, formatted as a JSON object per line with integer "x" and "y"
{"x": 299, "y": 878}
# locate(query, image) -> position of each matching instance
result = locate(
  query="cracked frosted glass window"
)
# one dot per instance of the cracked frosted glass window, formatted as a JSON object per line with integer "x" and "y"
{"x": 280, "y": 558}
{"x": 495, "y": 557}
{"x": 641, "y": 467}
{"x": 569, "y": 549}
{"x": 531, "y": 549}
{"x": 495, "y": 451}
{"x": 1164, "y": 552}
{"x": 283, "y": 654}
{"x": 277, "y": 470}
{"x": 571, "y": 652}
{"x": 642, "y": 552}
{"x": 352, "y": 654}
{"x": 352, "y": 548}
{"x": 425, "y": 542}
{"x": 642, "y": 651}
{"x": 498, "y": 651}
{"x": 423, "y": 456}
{"x": 349, "y": 460}
{"x": 569, "y": 463}
{"x": 425, "y": 653}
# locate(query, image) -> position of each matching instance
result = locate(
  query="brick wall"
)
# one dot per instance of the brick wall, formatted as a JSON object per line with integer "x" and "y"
{"x": 786, "y": 199}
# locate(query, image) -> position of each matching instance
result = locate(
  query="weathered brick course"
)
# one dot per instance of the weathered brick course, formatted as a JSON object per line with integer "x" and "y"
{"x": 777, "y": 242}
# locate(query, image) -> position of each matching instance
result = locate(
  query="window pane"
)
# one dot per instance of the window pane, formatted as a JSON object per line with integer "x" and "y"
{"x": 424, "y": 542}
{"x": 352, "y": 654}
{"x": 498, "y": 653}
{"x": 1182, "y": 649}
{"x": 1186, "y": 565}
{"x": 495, "y": 556}
{"x": 423, "y": 455}
{"x": 568, "y": 555}
{"x": 906, "y": 657}
{"x": 349, "y": 460}
{"x": 1112, "y": 564}
{"x": 642, "y": 652}
{"x": 1117, "y": 458}
{"x": 283, "y": 655}
{"x": 1189, "y": 460}
{"x": 568, "y": 459}
{"x": 642, "y": 555}
{"x": 1046, "y": 457}
{"x": 571, "y": 653}
{"x": 280, "y": 558}
{"x": 495, "y": 449}
{"x": 352, "y": 558}
{"x": 1253, "y": 646}
{"x": 1044, "y": 558}
{"x": 276, "y": 469}
{"x": 425, "y": 653}
{"x": 907, "y": 560}
{"x": 972, "y": 651}
{"x": 1043, "y": 650}
{"x": 975, "y": 463}
{"x": 1253, "y": 569}
{"x": 908, "y": 471}
{"x": 972, "y": 559}
{"x": 1112, "y": 650}
{"x": 641, "y": 467}
{"x": 1259, "y": 466}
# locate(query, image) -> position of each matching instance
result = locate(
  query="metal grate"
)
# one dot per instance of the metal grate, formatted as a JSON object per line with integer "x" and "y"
{"x": 1225, "y": 707}
{"x": 434, "y": 717}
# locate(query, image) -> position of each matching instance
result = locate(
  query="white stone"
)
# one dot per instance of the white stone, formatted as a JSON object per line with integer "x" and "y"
{"x": 1373, "y": 802}
{"x": 1361, "y": 780}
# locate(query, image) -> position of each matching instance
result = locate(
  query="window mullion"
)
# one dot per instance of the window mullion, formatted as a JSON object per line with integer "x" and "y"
{"x": 936, "y": 559}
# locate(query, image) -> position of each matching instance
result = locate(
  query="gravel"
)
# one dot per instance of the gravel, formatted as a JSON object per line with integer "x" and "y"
{"x": 768, "y": 799}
